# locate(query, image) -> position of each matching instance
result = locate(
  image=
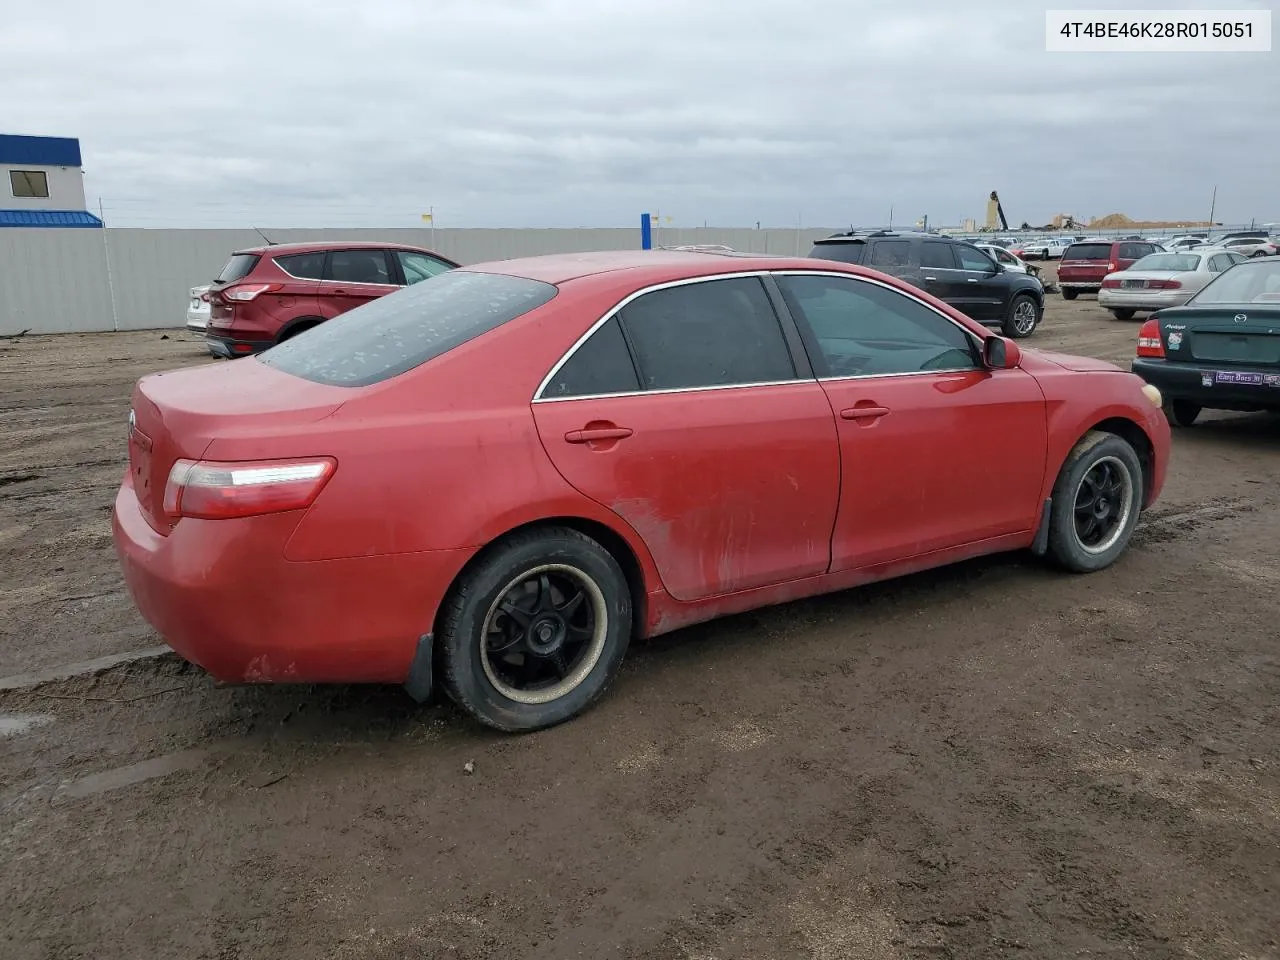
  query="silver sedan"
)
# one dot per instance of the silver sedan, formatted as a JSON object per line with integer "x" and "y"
{"x": 1161, "y": 280}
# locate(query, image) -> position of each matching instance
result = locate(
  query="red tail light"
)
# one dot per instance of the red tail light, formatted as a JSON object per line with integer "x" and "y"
{"x": 1164, "y": 284}
{"x": 1111, "y": 284}
{"x": 210, "y": 490}
{"x": 245, "y": 293}
{"x": 1149, "y": 342}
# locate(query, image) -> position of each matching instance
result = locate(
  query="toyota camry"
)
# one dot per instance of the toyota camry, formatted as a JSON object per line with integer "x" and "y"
{"x": 494, "y": 480}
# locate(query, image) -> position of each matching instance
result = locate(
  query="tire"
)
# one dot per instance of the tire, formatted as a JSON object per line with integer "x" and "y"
{"x": 1258, "y": 253}
{"x": 1124, "y": 314}
{"x": 1181, "y": 413}
{"x": 1068, "y": 294}
{"x": 535, "y": 573}
{"x": 301, "y": 327}
{"x": 1022, "y": 317}
{"x": 1073, "y": 543}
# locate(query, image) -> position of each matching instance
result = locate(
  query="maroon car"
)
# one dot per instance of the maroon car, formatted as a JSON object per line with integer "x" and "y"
{"x": 268, "y": 294}
{"x": 1085, "y": 264}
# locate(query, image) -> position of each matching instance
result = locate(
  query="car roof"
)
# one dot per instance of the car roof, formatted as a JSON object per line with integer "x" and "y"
{"x": 275, "y": 249}
{"x": 653, "y": 265}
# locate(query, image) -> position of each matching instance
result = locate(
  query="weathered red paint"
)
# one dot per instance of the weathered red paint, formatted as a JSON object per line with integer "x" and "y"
{"x": 727, "y": 499}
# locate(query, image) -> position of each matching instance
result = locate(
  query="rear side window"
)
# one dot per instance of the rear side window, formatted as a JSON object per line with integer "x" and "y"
{"x": 393, "y": 334}
{"x": 305, "y": 266}
{"x": 1088, "y": 251}
{"x": 891, "y": 253}
{"x": 936, "y": 254}
{"x": 601, "y": 365}
{"x": 1134, "y": 251}
{"x": 238, "y": 267}
{"x": 358, "y": 266}
{"x": 839, "y": 252}
{"x": 707, "y": 334}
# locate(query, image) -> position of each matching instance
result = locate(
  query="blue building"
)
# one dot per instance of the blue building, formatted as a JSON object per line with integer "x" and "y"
{"x": 42, "y": 183}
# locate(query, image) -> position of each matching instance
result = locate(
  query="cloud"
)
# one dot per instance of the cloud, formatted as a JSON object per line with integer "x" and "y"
{"x": 586, "y": 112}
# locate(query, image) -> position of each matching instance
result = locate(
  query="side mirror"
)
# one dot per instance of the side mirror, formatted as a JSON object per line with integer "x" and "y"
{"x": 999, "y": 353}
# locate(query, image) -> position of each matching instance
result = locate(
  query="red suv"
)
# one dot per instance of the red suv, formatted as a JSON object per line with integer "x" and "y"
{"x": 268, "y": 294}
{"x": 1084, "y": 264}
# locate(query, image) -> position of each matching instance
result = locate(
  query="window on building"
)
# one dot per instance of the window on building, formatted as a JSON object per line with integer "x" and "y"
{"x": 29, "y": 183}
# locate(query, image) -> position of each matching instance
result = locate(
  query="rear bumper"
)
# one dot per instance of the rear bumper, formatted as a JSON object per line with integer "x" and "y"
{"x": 230, "y": 347}
{"x": 1080, "y": 284}
{"x": 1186, "y": 381}
{"x": 1142, "y": 299}
{"x": 222, "y": 596}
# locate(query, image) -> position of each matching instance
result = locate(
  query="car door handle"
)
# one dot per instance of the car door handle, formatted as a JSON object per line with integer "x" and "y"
{"x": 592, "y": 434}
{"x": 973, "y": 279}
{"x": 869, "y": 412}
{"x": 930, "y": 279}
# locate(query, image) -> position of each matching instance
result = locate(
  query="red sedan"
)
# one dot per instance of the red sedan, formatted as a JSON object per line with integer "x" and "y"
{"x": 502, "y": 475}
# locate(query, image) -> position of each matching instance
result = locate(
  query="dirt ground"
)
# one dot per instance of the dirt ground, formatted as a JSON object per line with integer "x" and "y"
{"x": 993, "y": 760}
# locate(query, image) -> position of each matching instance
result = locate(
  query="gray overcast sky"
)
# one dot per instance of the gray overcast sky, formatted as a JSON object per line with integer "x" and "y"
{"x": 587, "y": 112}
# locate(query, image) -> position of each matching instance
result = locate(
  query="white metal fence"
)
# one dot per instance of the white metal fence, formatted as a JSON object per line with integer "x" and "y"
{"x": 77, "y": 281}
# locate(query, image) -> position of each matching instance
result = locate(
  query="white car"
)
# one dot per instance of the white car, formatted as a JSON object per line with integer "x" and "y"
{"x": 198, "y": 309}
{"x": 1162, "y": 280}
{"x": 1176, "y": 244}
{"x": 1011, "y": 262}
{"x": 1048, "y": 248}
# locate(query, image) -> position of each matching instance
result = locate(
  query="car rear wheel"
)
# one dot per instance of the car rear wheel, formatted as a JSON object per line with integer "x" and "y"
{"x": 1096, "y": 502}
{"x": 1022, "y": 318}
{"x": 1182, "y": 413}
{"x": 1258, "y": 253}
{"x": 1124, "y": 314}
{"x": 1070, "y": 294}
{"x": 534, "y": 633}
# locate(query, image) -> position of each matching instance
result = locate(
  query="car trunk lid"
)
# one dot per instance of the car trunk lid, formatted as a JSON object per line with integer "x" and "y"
{"x": 1226, "y": 335}
{"x": 178, "y": 414}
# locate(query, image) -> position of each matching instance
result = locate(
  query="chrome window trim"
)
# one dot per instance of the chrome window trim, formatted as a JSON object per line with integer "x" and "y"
{"x": 620, "y": 305}
{"x": 539, "y": 398}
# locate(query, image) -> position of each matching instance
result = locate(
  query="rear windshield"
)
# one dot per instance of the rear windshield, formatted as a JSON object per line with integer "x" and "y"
{"x": 391, "y": 335}
{"x": 237, "y": 267}
{"x": 1176, "y": 262}
{"x": 842, "y": 251}
{"x": 1088, "y": 251}
{"x": 1251, "y": 281}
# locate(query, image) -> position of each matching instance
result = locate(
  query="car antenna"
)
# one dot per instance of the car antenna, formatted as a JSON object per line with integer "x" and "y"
{"x": 270, "y": 243}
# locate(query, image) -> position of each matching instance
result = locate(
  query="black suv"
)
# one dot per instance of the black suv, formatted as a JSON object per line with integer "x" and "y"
{"x": 956, "y": 272}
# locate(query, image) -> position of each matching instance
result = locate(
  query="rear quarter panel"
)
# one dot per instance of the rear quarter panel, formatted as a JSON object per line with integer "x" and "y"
{"x": 447, "y": 456}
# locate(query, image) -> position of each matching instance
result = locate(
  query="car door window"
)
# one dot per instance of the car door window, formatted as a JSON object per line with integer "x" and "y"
{"x": 1006, "y": 258}
{"x": 971, "y": 258}
{"x": 358, "y": 266}
{"x": 1218, "y": 263}
{"x": 601, "y": 365}
{"x": 707, "y": 334}
{"x": 1134, "y": 251}
{"x": 858, "y": 328}
{"x": 1237, "y": 258}
{"x": 937, "y": 255}
{"x": 418, "y": 266}
{"x": 891, "y": 253}
{"x": 304, "y": 266}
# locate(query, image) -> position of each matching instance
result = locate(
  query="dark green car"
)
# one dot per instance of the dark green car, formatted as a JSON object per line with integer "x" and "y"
{"x": 1220, "y": 350}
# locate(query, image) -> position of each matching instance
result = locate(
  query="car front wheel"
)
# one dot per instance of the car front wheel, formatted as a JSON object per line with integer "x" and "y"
{"x": 534, "y": 633}
{"x": 1096, "y": 502}
{"x": 1022, "y": 317}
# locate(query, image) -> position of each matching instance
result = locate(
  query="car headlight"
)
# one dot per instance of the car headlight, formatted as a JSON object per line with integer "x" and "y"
{"x": 1152, "y": 394}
